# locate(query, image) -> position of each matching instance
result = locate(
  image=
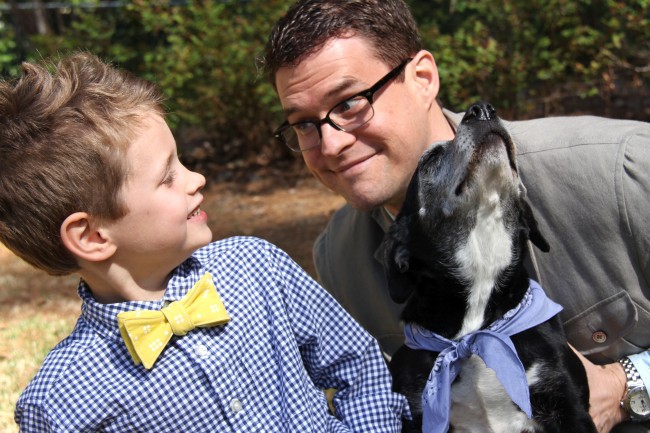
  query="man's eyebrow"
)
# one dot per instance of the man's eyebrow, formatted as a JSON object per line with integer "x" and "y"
{"x": 343, "y": 85}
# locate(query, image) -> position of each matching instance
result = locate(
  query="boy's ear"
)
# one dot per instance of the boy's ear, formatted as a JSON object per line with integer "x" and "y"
{"x": 425, "y": 75}
{"x": 85, "y": 239}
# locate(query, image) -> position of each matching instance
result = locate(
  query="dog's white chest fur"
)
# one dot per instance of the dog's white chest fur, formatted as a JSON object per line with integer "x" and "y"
{"x": 485, "y": 254}
{"x": 479, "y": 404}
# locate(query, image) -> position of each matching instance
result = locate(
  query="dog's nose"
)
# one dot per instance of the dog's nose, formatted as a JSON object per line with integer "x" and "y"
{"x": 480, "y": 111}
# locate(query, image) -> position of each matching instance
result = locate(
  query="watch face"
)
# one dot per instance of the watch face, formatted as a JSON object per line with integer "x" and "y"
{"x": 640, "y": 403}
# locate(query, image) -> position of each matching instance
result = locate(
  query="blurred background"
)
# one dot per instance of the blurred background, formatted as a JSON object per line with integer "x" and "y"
{"x": 530, "y": 58}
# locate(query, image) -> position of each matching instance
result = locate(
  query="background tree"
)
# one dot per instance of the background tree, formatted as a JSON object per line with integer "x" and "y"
{"x": 528, "y": 57}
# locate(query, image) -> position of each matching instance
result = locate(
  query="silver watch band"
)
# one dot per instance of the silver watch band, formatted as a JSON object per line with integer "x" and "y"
{"x": 632, "y": 374}
{"x": 636, "y": 400}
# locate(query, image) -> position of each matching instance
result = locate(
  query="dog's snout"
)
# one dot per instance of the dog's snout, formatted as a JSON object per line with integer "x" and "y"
{"x": 480, "y": 111}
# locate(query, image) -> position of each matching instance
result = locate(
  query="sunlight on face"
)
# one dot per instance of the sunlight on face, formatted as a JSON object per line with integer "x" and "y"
{"x": 164, "y": 223}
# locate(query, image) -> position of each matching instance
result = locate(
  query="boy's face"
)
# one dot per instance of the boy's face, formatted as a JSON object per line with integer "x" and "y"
{"x": 164, "y": 224}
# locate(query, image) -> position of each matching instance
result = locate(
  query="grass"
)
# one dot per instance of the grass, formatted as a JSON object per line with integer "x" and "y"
{"x": 27, "y": 342}
{"x": 37, "y": 311}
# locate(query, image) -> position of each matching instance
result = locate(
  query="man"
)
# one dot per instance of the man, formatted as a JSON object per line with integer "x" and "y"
{"x": 359, "y": 95}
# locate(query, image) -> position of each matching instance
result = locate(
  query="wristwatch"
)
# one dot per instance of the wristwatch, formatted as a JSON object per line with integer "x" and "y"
{"x": 636, "y": 401}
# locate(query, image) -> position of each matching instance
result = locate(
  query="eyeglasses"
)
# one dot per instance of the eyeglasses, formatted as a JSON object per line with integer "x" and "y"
{"x": 345, "y": 116}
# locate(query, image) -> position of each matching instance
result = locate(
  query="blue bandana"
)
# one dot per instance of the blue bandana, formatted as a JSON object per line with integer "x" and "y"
{"x": 492, "y": 344}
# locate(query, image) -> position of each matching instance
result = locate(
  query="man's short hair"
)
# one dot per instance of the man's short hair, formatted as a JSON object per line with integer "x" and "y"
{"x": 387, "y": 24}
{"x": 64, "y": 132}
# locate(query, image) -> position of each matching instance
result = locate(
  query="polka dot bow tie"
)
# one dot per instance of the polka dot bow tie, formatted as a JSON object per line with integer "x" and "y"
{"x": 147, "y": 332}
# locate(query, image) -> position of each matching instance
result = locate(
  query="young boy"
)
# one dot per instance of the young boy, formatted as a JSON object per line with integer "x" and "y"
{"x": 90, "y": 182}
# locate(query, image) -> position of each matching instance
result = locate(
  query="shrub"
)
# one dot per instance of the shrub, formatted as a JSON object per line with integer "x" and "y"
{"x": 528, "y": 57}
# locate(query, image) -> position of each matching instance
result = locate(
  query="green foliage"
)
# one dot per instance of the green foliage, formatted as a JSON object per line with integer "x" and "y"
{"x": 521, "y": 54}
{"x": 207, "y": 66}
{"x": 9, "y": 58}
{"x": 525, "y": 56}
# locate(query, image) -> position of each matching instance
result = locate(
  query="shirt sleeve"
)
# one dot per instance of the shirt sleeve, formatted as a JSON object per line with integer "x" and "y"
{"x": 338, "y": 353}
{"x": 31, "y": 419}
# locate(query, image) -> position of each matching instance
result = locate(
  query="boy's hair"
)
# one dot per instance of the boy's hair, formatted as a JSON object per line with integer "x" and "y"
{"x": 64, "y": 132}
{"x": 309, "y": 24}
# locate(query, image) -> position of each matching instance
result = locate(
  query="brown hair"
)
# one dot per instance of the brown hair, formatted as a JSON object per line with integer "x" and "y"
{"x": 64, "y": 131}
{"x": 309, "y": 24}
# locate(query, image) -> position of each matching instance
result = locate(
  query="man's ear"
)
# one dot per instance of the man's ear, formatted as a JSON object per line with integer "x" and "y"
{"x": 86, "y": 239}
{"x": 425, "y": 75}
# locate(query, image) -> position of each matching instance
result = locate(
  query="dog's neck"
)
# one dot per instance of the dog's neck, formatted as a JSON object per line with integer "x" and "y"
{"x": 452, "y": 307}
{"x": 441, "y": 306}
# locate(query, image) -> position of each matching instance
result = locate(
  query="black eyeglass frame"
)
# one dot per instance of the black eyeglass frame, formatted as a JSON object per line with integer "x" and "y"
{"x": 368, "y": 94}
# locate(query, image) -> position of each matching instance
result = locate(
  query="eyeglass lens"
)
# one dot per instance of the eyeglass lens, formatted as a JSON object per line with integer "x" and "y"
{"x": 347, "y": 116}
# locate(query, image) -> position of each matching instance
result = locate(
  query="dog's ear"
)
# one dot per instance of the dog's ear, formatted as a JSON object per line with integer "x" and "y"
{"x": 533, "y": 232}
{"x": 395, "y": 256}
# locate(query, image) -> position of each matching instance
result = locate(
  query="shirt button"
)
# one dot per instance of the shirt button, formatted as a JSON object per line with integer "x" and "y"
{"x": 599, "y": 337}
{"x": 202, "y": 351}
{"x": 235, "y": 405}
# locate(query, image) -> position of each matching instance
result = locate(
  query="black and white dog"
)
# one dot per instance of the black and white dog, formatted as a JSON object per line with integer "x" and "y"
{"x": 485, "y": 348}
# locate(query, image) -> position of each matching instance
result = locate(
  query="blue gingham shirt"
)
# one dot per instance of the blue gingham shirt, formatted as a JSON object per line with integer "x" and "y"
{"x": 264, "y": 371}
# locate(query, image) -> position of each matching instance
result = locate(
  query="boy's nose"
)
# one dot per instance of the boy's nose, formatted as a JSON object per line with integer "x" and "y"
{"x": 197, "y": 183}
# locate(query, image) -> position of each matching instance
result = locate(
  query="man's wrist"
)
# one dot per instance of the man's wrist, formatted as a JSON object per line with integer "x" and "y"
{"x": 635, "y": 401}
{"x": 606, "y": 388}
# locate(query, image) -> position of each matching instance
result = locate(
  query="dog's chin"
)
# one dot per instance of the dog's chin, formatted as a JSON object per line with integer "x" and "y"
{"x": 490, "y": 174}
{"x": 493, "y": 152}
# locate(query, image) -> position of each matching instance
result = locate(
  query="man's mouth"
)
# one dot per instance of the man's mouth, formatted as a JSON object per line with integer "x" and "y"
{"x": 351, "y": 166}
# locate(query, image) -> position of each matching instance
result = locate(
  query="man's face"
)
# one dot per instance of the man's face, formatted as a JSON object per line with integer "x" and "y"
{"x": 372, "y": 165}
{"x": 164, "y": 223}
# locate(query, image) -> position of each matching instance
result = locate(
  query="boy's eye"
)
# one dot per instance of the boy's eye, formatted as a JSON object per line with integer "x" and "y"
{"x": 169, "y": 178}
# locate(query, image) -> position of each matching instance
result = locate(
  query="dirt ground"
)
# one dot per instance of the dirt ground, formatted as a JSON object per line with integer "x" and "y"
{"x": 287, "y": 211}
{"x": 289, "y": 214}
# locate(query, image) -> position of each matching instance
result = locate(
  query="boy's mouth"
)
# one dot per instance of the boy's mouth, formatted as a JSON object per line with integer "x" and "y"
{"x": 195, "y": 213}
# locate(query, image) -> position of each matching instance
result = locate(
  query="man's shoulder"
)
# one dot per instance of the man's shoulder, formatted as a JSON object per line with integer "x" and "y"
{"x": 562, "y": 132}
{"x": 554, "y": 133}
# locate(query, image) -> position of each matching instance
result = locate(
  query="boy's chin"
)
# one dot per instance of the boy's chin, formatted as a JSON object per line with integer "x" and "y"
{"x": 204, "y": 242}
{"x": 200, "y": 242}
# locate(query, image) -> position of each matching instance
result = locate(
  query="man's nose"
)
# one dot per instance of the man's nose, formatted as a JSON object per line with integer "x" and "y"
{"x": 480, "y": 111}
{"x": 334, "y": 141}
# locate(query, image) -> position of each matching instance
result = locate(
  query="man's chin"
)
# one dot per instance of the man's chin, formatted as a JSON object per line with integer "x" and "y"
{"x": 363, "y": 203}
{"x": 362, "y": 194}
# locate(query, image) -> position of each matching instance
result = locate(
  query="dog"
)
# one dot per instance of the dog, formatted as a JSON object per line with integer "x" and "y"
{"x": 454, "y": 255}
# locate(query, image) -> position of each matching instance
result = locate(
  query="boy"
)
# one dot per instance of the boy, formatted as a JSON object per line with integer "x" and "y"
{"x": 90, "y": 182}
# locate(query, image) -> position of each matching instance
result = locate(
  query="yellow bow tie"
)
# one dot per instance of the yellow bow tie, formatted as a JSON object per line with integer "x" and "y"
{"x": 147, "y": 332}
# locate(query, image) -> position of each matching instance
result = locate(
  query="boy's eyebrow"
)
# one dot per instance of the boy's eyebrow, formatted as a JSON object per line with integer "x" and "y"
{"x": 167, "y": 166}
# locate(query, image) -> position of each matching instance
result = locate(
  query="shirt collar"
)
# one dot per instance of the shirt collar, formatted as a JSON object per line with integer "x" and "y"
{"x": 103, "y": 317}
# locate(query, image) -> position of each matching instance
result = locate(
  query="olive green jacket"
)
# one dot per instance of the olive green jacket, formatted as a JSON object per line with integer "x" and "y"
{"x": 588, "y": 181}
